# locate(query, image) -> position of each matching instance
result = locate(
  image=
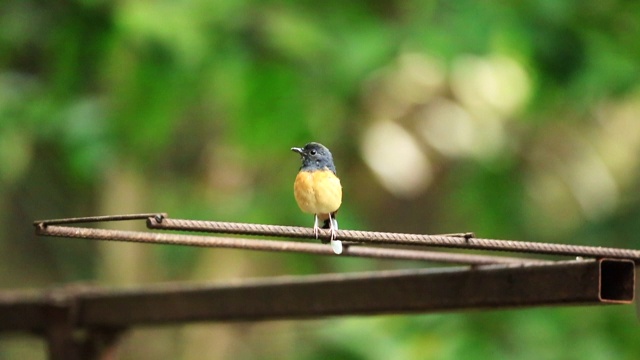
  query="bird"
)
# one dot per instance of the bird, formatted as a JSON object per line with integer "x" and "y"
{"x": 317, "y": 189}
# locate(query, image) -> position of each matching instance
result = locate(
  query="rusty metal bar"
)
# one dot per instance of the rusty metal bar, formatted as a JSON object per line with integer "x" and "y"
{"x": 508, "y": 282}
{"x": 273, "y": 245}
{"x": 391, "y": 292}
{"x": 582, "y": 282}
{"x": 22, "y": 311}
{"x": 371, "y": 237}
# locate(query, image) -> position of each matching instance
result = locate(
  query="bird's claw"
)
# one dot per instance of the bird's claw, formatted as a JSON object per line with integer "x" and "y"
{"x": 336, "y": 245}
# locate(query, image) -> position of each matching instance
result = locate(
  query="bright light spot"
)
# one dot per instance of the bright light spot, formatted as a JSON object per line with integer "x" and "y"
{"x": 497, "y": 84}
{"x": 396, "y": 159}
{"x": 412, "y": 79}
{"x": 418, "y": 77}
{"x": 447, "y": 127}
{"x": 453, "y": 131}
{"x": 619, "y": 143}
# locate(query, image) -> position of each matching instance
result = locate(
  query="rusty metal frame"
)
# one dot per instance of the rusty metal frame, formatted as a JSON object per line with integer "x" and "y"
{"x": 102, "y": 314}
{"x": 491, "y": 282}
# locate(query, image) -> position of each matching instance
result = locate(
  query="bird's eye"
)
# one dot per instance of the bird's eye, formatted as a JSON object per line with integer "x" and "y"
{"x": 312, "y": 152}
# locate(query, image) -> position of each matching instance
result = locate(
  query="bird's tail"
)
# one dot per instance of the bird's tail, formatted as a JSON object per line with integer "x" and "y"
{"x": 327, "y": 225}
{"x": 336, "y": 245}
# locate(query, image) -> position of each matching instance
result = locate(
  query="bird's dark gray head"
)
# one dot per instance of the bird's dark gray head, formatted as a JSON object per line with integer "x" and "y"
{"x": 315, "y": 156}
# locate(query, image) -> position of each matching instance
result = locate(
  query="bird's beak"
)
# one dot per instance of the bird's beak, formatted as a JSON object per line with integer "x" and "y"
{"x": 298, "y": 150}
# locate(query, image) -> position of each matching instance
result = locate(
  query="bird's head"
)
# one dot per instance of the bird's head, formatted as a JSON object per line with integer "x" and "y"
{"x": 315, "y": 156}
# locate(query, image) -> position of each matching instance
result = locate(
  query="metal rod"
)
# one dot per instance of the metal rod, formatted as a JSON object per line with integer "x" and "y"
{"x": 390, "y": 292}
{"x": 88, "y": 219}
{"x": 372, "y": 237}
{"x": 271, "y": 245}
{"x": 165, "y": 223}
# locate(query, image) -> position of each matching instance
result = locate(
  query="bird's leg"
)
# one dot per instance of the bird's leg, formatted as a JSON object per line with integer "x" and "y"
{"x": 332, "y": 227}
{"x": 336, "y": 245}
{"x": 315, "y": 226}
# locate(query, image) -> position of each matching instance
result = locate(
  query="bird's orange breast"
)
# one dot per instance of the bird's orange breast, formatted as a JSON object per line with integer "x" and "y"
{"x": 318, "y": 192}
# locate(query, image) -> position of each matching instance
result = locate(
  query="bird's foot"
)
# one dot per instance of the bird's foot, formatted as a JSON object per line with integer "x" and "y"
{"x": 336, "y": 245}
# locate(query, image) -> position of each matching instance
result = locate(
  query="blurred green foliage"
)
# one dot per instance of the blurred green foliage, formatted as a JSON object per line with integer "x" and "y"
{"x": 511, "y": 119}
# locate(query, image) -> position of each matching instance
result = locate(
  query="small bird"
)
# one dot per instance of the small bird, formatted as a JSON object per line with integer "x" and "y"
{"x": 317, "y": 189}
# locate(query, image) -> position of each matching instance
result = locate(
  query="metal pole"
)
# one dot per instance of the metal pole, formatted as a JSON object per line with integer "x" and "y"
{"x": 59, "y": 327}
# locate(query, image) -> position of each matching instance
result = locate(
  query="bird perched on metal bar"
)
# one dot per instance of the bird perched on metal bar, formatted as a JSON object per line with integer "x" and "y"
{"x": 317, "y": 189}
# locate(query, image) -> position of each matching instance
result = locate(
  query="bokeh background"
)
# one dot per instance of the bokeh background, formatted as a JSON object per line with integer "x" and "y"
{"x": 515, "y": 120}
